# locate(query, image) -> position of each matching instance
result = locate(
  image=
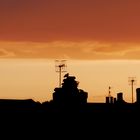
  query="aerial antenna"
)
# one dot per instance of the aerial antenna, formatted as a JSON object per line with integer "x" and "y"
{"x": 109, "y": 98}
{"x": 109, "y": 91}
{"x": 132, "y": 82}
{"x": 60, "y": 66}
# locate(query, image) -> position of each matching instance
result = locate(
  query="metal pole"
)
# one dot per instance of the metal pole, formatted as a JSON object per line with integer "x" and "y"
{"x": 60, "y": 65}
{"x": 60, "y": 76}
{"x": 132, "y": 81}
{"x": 132, "y": 89}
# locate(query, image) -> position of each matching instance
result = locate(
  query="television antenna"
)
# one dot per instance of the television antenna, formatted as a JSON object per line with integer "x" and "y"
{"x": 132, "y": 82}
{"x": 109, "y": 91}
{"x": 60, "y": 66}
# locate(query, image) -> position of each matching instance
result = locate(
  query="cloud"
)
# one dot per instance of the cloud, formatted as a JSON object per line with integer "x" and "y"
{"x": 70, "y": 50}
{"x": 114, "y": 51}
{"x": 6, "y": 54}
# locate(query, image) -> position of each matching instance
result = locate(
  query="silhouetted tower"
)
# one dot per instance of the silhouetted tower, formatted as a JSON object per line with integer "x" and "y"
{"x": 60, "y": 66}
{"x": 132, "y": 82}
{"x": 109, "y": 91}
{"x": 109, "y": 98}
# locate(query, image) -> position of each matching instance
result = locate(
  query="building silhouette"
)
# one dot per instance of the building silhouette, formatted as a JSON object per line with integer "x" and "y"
{"x": 110, "y": 100}
{"x": 70, "y": 98}
{"x": 120, "y": 98}
{"x": 138, "y": 95}
{"x": 69, "y": 94}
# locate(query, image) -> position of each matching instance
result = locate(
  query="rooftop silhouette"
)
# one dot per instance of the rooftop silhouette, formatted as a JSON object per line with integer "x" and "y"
{"x": 68, "y": 109}
{"x": 69, "y": 98}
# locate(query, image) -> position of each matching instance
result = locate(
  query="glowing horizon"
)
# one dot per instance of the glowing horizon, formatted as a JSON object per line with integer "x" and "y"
{"x": 36, "y": 78}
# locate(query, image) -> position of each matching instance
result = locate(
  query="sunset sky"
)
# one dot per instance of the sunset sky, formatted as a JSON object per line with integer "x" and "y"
{"x": 85, "y": 32}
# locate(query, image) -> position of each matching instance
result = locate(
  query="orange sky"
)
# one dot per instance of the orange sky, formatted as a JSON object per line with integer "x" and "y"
{"x": 77, "y": 29}
{"x": 68, "y": 29}
{"x": 45, "y": 20}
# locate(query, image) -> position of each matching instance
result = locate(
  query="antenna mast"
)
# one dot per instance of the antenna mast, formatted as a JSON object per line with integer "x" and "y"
{"x": 132, "y": 82}
{"x": 60, "y": 66}
{"x": 109, "y": 91}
